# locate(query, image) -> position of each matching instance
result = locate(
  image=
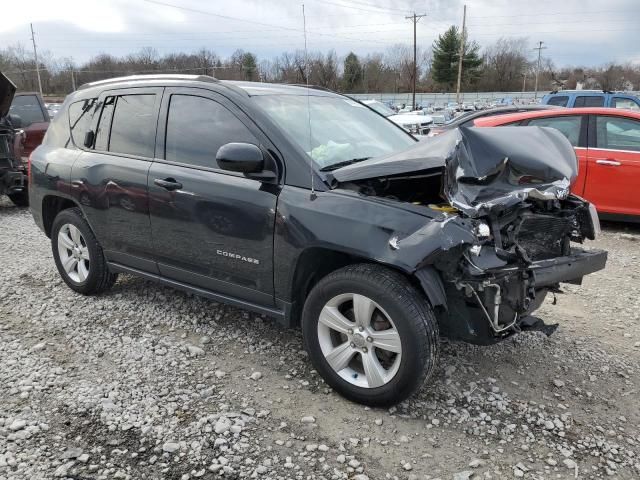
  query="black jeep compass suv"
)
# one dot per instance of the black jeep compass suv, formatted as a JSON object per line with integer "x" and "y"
{"x": 310, "y": 207}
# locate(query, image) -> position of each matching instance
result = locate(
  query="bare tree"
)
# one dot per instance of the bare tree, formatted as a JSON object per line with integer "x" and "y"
{"x": 505, "y": 62}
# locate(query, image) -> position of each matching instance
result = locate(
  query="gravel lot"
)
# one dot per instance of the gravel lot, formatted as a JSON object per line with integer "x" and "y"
{"x": 148, "y": 382}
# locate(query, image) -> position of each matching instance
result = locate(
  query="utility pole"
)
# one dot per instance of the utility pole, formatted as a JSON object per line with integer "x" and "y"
{"x": 461, "y": 52}
{"x": 73, "y": 80}
{"x": 415, "y": 19}
{"x": 524, "y": 82}
{"x": 35, "y": 55}
{"x": 539, "y": 48}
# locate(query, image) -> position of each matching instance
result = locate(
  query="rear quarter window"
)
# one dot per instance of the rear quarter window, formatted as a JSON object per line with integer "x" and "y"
{"x": 133, "y": 128}
{"x": 80, "y": 119}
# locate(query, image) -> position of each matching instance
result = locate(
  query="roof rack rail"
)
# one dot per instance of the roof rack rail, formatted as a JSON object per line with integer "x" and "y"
{"x": 313, "y": 87}
{"x": 159, "y": 76}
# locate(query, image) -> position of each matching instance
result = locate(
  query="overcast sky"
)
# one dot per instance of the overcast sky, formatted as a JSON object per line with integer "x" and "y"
{"x": 576, "y": 32}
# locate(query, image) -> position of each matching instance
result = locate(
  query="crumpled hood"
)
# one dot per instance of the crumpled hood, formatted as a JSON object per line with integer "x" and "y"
{"x": 7, "y": 90}
{"x": 501, "y": 167}
{"x": 485, "y": 168}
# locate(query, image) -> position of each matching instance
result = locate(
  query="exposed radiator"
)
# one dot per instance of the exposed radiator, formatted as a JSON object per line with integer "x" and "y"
{"x": 543, "y": 236}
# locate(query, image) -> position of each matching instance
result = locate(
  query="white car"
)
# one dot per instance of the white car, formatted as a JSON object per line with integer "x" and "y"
{"x": 416, "y": 122}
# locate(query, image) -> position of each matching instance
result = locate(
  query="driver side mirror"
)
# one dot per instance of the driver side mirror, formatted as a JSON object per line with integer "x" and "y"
{"x": 244, "y": 158}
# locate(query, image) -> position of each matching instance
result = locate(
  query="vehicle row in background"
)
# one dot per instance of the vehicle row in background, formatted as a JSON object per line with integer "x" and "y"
{"x": 416, "y": 122}
{"x": 466, "y": 119}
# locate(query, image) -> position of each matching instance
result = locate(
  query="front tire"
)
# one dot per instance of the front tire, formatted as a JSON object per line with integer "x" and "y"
{"x": 371, "y": 334}
{"x": 78, "y": 254}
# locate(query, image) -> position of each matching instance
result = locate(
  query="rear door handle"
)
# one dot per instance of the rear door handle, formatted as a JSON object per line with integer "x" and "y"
{"x": 168, "y": 183}
{"x": 608, "y": 161}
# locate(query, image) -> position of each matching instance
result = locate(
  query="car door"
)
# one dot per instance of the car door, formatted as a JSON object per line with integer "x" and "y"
{"x": 574, "y": 127}
{"x": 211, "y": 228}
{"x": 614, "y": 164}
{"x": 34, "y": 117}
{"x": 109, "y": 178}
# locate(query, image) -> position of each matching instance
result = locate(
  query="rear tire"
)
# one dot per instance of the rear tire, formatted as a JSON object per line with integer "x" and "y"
{"x": 78, "y": 255}
{"x": 20, "y": 199}
{"x": 371, "y": 334}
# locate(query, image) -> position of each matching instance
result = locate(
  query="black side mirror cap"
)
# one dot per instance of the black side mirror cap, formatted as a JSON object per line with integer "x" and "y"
{"x": 240, "y": 157}
{"x": 89, "y": 137}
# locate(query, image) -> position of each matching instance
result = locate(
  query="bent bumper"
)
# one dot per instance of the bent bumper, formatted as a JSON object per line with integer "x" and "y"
{"x": 569, "y": 269}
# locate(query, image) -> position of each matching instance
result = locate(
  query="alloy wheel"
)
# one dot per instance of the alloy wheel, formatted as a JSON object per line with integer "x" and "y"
{"x": 359, "y": 340}
{"x": 74, "y": 253}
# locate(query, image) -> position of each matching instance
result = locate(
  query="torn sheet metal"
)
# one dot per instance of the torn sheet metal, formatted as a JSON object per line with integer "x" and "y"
{"x": 424, "y": 245}
{"x": 484, "y": 168}
{"x": 503, "y": 166}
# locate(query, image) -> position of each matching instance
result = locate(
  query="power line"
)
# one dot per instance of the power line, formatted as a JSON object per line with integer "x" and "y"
{"x": 547, "y": 14}
{"x": 562, "y": 22}
{"x": 381, "y": 11}
{"x": 227, "y": 17}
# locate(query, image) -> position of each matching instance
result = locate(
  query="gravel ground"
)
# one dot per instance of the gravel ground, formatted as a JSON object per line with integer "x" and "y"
{"x": 148, "y": 382}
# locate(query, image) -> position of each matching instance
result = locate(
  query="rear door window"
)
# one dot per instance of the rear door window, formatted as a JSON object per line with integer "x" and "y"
{"x": 559, "y": 100}
{"x": 80, "y": 114}
{"x": 28, "y": 109}
{"x": 617, "y": 133}
{"x": 569, "y": 126}
{"x": 626, "y": 103}
{"x": 127, "y": 125}
{"x": 197, "y": 127}
{"x": 133, "y": 128}
{"x": 589, "y": 101}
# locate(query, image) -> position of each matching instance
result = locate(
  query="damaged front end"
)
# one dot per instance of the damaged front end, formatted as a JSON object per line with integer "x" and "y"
{"x": 502, "y": 223}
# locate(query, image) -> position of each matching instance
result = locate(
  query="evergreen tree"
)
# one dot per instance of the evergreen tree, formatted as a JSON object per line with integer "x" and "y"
{"x": 249, "y": 66}
{"x": 446, "y": 50}
{"x": 352, "y": 72}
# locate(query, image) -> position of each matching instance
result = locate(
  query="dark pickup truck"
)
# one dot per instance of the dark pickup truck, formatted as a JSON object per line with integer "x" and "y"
{"x": 13, "y": 172}
{"x": 307, "y": 206}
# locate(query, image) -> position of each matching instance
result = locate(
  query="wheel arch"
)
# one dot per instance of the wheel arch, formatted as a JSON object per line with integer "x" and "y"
{"x": 315, "y": 263}
{"x": 52, "y": 205}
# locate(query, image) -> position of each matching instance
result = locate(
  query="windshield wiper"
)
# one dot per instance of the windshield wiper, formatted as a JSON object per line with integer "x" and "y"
{"x": 335, "y": 166}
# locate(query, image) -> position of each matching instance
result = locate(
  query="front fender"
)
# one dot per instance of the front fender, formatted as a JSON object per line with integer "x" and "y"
{"x": 369, "y": 231}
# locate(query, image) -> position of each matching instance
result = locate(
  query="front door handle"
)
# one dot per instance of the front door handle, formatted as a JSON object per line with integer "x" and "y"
{"x": 608, "y": 161}
{"x": 168, "y": 183}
